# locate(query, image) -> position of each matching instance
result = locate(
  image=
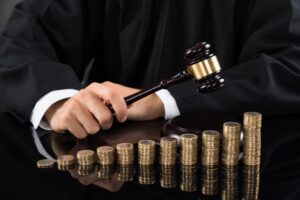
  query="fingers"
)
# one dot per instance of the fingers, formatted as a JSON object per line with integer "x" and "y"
{"x": 109, "y": 95}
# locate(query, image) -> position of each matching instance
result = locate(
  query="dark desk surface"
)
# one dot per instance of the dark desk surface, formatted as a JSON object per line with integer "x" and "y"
{"x": 279, "y": 176}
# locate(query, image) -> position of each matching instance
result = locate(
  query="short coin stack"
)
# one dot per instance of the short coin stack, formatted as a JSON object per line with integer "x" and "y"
{"x": 146, "y": 174}
{"x": 86, "y": 157}
{"x": 210, "y": 147}
{"x": 231, "y": 143}
{"x": 168, "y": 147}
{"x": 45, "y": 163}
{"x": 188, "y": 149}
{"x": 65, "y": 162}
{"x": 230, "y": 182}
{"x": 125, "y": 153}
{"x": 209, "y": 180}
{"x": 188, "y": 181}
{"x": 168, "y": 176}
{"x": 146, "y": 152}
{"x": 105, "y": 155}
{"x": 252, "y": 138}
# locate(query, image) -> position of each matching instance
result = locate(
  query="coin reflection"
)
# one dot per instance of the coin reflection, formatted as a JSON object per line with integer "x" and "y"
{"x": 188, "y": 178}
{"x": 250, "y": 183}
{"x": 168, "y": 176}
{"x": 125, "y": 172}
{"x": 209, "y": 179}
{"x": 146, "y": 174}
{"x": 105, "y": 171}
{"x": 229, "y": 182}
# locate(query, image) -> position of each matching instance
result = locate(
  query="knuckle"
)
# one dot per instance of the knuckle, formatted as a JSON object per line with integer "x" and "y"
{"x": 106, "y": 121}
{"x": 94, "y": 129}
{"x": 66, "y": 119}
{"x": 93, "y": 85}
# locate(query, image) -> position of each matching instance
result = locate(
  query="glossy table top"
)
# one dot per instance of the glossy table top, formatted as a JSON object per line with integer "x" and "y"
{"x": 279, "y": 176}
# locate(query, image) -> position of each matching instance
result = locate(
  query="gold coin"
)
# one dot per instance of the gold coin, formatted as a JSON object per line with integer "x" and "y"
{"x": 45, "y": 163}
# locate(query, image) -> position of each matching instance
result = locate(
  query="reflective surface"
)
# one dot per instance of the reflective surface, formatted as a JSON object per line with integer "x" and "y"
{"x": 279, "y": 176}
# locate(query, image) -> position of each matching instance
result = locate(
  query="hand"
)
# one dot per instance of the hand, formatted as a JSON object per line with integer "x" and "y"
{"x": 147, "y": 108}
{"x": 87, "y": 113}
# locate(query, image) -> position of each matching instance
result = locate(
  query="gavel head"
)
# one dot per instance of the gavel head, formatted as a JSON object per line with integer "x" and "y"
{"x": 203, "y": 67}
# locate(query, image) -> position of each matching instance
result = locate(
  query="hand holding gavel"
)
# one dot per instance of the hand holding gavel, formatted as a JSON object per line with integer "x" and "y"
{"x": 93, "y": 108}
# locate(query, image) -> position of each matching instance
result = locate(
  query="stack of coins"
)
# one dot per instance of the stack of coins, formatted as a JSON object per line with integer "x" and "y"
{"x": 65, "y": 162}
{"x": 209, "y": 180}
{"x": 250, "y": 182}
{"x": 231, "y": 143}
{"x": 168, "y": 176}
{"x": 105, "y": 171}
{"x": 125, "y": 172}
{"x": 168, "y": 147}
{"x": 252, "y": 138}
{"x": 86, "y": 157}
{"x": 188, "y": 149}
{"x": 210, "y": 147}
{"x": 45, "y": 163}
{"x": 188, "y": 181}
{"x": 146, "y": 174}
{"x": 105, "y": 155}
{"x": 146, "y": 152}
{"x": 230, "y": 182}
{"x": 125, "y": 154}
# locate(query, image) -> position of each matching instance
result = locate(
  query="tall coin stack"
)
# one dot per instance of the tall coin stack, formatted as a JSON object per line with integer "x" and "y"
{"x": 125, "y": 154}
{"x": 125, "y": 172}
{"x": 146, "y": 152}
{"x": 188, "y": 182}
{"x": 105, "y": 155}
{"x": 168, "y": 176}
{"x": 188, "y": 149}
{"x": 250, "y": 182}
{"x": 168, "y": 147}
{"x": 210, "y": 147}
{"x": 231, "y": 143}
{"x": 252, "y": 138}
{"x": 146, "y": 174}
{"x": 230, "y": 182}
{"x": 209, "y": 179}
{"x": 65, "y": 162}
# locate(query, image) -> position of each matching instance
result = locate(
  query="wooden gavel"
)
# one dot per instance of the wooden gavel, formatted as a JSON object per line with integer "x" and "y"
{"x": 201, "y": 65}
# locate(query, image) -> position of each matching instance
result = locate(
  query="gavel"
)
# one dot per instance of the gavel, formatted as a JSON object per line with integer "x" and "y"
{"x": 201, "y": 65}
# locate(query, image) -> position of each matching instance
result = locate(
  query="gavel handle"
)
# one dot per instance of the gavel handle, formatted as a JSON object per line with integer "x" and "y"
{"x": 141, "y": 94}
{"x": 182, "y": 76}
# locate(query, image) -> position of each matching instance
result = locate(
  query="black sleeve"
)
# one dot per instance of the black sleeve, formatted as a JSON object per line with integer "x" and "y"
{"x": 267, "y": 76}
{"x": 44, "y": 47}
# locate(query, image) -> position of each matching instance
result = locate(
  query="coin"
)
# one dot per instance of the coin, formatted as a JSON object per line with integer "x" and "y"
{"x": 105, "y": 155}
{"x": 45, "y": 163}
{"x": 125, "y": 153}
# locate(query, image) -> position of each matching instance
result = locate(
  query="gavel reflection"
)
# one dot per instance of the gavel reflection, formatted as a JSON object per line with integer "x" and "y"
{"x": 201, "y": 65}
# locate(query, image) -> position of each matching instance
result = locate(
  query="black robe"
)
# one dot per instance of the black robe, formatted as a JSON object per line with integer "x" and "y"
{"x": 47, "y": 45}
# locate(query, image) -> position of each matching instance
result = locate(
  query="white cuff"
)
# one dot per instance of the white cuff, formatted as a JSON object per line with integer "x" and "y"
{"x": 45, "y": 102}
{"x": 170, "y": 105}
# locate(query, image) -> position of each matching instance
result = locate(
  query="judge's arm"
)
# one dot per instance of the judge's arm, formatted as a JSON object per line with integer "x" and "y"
{"x": 44, "y": 48}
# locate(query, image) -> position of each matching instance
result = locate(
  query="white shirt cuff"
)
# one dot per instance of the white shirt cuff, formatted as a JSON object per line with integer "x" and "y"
{"x": 45, "y": 102}
{"x": 170, "y": 105}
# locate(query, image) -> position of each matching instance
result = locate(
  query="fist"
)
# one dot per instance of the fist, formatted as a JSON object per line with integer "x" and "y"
{"x": 87, "y": 113}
